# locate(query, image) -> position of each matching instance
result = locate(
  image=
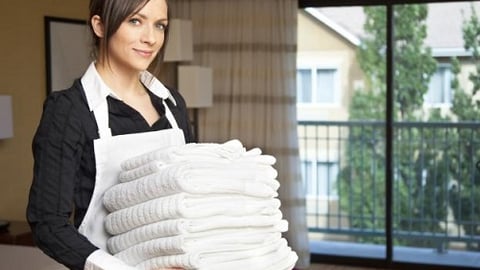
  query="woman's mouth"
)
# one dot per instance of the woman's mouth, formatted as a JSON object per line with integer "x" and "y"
{"x": 144, "y": 53}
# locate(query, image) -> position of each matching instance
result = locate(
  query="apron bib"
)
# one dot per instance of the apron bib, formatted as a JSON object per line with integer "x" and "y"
{"x": 110, "y": 151}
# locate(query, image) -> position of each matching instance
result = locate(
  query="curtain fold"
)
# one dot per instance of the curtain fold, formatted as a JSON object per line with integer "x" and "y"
{"x": 251, "y": 47}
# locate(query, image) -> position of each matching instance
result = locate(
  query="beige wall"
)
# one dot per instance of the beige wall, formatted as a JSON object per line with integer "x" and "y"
{"x": 22, "y": 75}
{"x": 320, "y": 44}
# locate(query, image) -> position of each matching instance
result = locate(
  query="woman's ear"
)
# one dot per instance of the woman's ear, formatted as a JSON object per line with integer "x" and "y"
{"x": 97, "y": 26}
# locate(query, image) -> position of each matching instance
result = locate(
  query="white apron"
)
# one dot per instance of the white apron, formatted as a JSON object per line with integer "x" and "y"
{"x": 110, "y": 151}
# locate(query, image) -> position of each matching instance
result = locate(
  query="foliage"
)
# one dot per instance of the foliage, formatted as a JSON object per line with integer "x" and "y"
{"x": 466, "y": 107}
{"x": 364, "y": 177}
{"x": 431, "y": 172}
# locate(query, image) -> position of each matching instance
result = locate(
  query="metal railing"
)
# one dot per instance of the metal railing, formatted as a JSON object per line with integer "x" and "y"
{"x": 436, "y": 181}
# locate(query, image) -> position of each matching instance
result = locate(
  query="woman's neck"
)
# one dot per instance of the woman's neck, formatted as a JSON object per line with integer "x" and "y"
{"x": 125, "y": 83}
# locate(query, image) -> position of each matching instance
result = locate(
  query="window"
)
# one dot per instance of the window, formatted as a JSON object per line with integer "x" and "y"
{"x": 439, "y": 90}
{"x": 320, "y": 181}
{"x": 304, "y": 86}
{"x": 316, "y": 85}
{"x": 407, "y": 180}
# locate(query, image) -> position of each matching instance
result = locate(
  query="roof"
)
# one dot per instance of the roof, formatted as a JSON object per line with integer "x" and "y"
{"x": 444, "y": 24}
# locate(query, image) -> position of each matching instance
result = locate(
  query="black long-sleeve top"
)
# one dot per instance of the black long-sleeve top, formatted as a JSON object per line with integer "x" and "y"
{"x": 64, "y": 166}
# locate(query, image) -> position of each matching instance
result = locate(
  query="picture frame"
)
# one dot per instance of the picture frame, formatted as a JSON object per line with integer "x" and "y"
{"x": 67, "y": 51}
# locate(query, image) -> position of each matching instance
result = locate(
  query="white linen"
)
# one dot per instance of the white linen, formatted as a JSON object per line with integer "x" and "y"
{"x": 204, "y": 151}
{"x": 243, "y": 170}
{"x": 206, "y": 260}
{"x": 137, "y": 236}
{"x": 196, "y": 227}
{"x": 255, "y": 181}
{"x": 183, "y": 205}
{"x": 101, "y": 260}
{"x": 282, "y": 259}
{"x": 198, "y": 206}
{"x": 180, "y": 244}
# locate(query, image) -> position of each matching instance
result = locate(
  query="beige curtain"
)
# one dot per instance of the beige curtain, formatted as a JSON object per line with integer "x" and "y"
{"x": 251, "y": 46}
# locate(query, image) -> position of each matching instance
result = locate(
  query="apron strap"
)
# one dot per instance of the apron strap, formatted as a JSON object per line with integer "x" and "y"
{"x": 169, "y": 115}
{"x": 101, "y": 116}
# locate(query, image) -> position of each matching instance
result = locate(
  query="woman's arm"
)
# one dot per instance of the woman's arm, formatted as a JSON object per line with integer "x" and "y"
{"x": 57, "y": 148}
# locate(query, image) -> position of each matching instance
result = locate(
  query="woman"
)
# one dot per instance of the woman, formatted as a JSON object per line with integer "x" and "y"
{"x": 77, "y": 148}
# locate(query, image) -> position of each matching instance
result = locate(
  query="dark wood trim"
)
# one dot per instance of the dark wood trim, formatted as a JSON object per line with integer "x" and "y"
{"x": 332, "y": 3}
{"x": 47, "y": 20}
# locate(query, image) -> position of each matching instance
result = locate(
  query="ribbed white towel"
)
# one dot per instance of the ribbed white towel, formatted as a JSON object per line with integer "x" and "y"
{"x": 183, "y": 205}
{"x": 180, "y": 244}
{"x": 229, "y": 150}
{"x": 173, "y": 227}
{"x": 169, "y": 228}
{"x": 243, "y": 170}
{"x": 206, "y": 260}
{"x": 181, "y": 178}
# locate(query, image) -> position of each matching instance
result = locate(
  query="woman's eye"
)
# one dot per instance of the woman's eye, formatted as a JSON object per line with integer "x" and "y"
{"x": 134, "y": 21}
{"x": 162, "y": 26}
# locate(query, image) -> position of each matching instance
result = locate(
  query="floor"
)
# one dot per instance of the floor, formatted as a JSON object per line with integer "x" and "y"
{"x": 337, "y": 267}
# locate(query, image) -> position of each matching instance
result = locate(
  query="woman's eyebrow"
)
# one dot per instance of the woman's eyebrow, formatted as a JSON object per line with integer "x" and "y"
{"x": 143, "y": 16}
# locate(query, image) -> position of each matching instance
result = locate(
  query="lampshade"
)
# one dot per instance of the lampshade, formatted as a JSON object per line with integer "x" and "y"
{"x": 179, "y": 46}
{"x": 195, "y": 85}
{"x": 6, "y": 119}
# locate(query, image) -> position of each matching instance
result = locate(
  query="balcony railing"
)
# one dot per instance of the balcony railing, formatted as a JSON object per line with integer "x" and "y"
{"x": 436, "y": 182}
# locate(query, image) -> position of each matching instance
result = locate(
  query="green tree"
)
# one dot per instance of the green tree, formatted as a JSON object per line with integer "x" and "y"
{"x": 466, "y": 108}
{"x": 363, "y": 180}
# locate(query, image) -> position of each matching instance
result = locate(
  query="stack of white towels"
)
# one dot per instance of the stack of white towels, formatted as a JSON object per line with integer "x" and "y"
{"x": 198, "y": 206}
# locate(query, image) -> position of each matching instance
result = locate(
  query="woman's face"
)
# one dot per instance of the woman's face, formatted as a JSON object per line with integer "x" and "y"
{"x": 139, "y": 38}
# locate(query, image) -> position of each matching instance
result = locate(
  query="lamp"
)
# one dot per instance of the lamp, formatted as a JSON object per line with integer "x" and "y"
{"x": 6, "y": 119}
{"x": 180, "y": 42}
{"x": 195, "y": 84}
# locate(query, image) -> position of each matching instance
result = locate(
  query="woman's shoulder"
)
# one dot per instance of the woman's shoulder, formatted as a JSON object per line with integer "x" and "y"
{"x": 66, "y": 105}
{"x": 72, "y": 97}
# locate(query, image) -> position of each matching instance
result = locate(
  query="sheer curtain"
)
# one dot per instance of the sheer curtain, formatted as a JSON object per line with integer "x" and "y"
{"x": 251, "y": 46}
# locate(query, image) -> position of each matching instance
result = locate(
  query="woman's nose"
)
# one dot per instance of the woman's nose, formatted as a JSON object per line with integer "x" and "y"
{"x": 148, "y": 35}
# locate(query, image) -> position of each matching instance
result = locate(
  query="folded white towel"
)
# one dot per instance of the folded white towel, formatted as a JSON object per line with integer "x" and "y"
{"x": 243, "y": 170}
{"x": 183, "y": 205}
{"x": 181, "y": 178}
{"x": 229, "y": 150}
{"x": 213, "y": 243}
{"x": 212, "y": 225}
{"x": 206, "y": 260}
{"x": 175, "y": 227}
{"x": 255, "y": 155}
{"x": 281, "y": 259}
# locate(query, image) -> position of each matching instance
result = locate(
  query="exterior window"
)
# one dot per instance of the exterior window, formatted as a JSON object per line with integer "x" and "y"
{"x": 325, "y": 85}
{"x": 304, "y": 86}
{"x": 320, "y": 181}
{"x": 307, "y": 177}
{"x": 439, "y": 90}
{"x": 316, "y": 86}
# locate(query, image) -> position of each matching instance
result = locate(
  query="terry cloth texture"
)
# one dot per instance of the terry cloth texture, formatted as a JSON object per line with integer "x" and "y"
{"x": 198, "y": 206}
